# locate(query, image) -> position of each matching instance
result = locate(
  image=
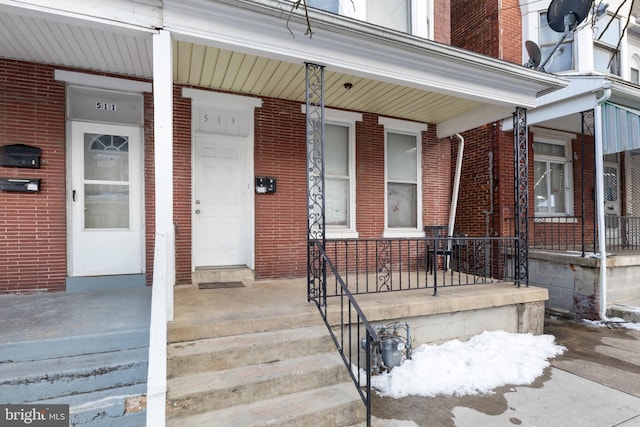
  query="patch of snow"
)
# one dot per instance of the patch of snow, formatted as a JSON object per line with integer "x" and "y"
{"x": 476, "y": 366}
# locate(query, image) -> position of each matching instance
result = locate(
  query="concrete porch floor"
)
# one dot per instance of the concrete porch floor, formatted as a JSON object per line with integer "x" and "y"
{"x": 273, "y": 304}
{"x": 56, "y": 316}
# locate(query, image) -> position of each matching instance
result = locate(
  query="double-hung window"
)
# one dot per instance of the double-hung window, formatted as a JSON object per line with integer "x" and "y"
{"x": 408, "y": 16}
{"x": 340, "y": 173}
{"x": 605, "y": 56}
{"x": 553, "y": 184}
{"x": 403, "y": 177}
{"x": 562, "y": 59}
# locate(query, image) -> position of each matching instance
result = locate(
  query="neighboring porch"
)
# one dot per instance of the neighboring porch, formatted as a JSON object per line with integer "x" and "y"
{"x": 564, "y": 257}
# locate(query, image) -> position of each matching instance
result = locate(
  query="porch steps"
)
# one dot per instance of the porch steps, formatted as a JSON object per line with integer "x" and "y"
{"x": 101, "y": 376}
{"x": 281, "y": 377}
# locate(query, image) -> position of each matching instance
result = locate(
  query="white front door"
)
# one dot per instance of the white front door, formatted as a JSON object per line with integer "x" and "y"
{"x": 105, "y": 204}
{"x": 221, "y": 202}
{"x": 612, "y": 205}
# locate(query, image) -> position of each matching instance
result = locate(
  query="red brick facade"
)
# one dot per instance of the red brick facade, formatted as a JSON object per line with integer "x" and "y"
{"x": 494, "y": 28}
{"x": 33, "y": 239}
{"x": 33, "y": 225}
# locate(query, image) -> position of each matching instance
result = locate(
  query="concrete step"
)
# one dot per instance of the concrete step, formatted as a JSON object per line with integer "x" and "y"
{"x": 52, "y": 348}
{"x": 122, "y": 406}
{"x": 630, "y": 311}
{"x": 249, "y": 349}
{"x": 333, "y": 406}
{"x": 221, "y": 274}
{"x": 29, "y": 381}
{"x": 207, "y": 391}
{"x": 180, "y": 332}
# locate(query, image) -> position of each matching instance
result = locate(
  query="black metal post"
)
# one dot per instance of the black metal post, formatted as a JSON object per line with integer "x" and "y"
{"x": 521, "y": 157}
{"x": 314, "y": 77}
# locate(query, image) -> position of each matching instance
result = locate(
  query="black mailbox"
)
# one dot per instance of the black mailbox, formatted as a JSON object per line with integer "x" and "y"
{"x": 265, "y": 184}
{"x": 29, "y": 185}
{"x": 20, "y": 156}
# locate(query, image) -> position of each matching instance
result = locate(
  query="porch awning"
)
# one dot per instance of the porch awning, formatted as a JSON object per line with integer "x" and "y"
{"x": 621, "y": 128}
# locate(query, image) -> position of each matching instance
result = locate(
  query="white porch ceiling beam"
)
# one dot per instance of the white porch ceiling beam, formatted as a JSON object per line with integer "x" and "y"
{"x": 259, "y": 27}
{"x": 472, "y": 119}
{"x": 136, "y": 15}
{"x": 556, "y": 110}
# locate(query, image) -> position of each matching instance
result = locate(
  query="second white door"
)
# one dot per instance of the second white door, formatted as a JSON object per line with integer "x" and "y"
{"x": 221, "y": 202}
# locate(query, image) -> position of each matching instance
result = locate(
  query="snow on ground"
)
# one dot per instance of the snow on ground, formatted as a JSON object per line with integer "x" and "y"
{"x": 476, "y": 366}
{"x": 613, "y": 321}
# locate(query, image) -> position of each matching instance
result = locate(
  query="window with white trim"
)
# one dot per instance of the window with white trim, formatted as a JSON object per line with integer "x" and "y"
{"x": 340, "y": 172}
{"x": 403, "y": 177}
{"x": 409, "y": 16}
{"x": 339, "y": 178}
{"x": 553, "y": 183}
{"x": 605, "y": 56}
{"x": 562, "y": 59}
{"x": 634, "y": 73}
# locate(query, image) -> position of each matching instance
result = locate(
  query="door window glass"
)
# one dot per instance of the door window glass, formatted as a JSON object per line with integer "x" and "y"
{"x": 106, "y": 181}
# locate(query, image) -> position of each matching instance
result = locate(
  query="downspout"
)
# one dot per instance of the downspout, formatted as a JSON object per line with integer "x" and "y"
{"x": 456, "y": 188}
{"x": 602, "y": 241}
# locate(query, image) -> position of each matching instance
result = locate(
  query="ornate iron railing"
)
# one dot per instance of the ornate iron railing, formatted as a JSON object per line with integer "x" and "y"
{"x": 347, "y": 323}
{"x": 569, "y": 233}
{"x": 384, "y": 265}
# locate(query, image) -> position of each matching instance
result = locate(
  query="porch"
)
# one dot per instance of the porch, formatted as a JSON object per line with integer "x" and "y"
{"x": 564, "y": 258}
{"x": 269, "y": 329}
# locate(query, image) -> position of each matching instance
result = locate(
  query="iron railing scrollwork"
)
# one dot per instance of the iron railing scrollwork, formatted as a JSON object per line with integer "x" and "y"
{"x": 588, "y": 128}
{"x": 315, "y": 167}
{"x": 521, "y": 208}
{"x": 347, "y": 325}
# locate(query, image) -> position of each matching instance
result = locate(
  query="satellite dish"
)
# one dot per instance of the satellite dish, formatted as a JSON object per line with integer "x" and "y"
{"x": 535, "y": 56}
{"x": 563, "y": 14}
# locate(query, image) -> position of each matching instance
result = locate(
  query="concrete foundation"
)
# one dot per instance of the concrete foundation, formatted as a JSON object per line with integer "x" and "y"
{"x": 573, "y": 281}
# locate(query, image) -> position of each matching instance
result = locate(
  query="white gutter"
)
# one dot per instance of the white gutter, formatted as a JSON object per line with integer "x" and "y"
{"x": 456, "y": 188}
{"x": 602, "y": 241}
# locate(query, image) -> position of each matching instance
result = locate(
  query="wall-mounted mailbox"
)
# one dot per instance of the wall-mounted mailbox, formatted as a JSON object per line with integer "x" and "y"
{"x": 265, "y": 184}
{"x": 20, "y": 156}
{"x": 29, "y": 185}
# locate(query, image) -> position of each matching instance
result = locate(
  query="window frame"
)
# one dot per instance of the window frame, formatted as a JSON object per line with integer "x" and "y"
{"x": 565, "y": 139}
{"x": 347, "y": 119}
{"x": 603, "y": 46}
{"x": 570, "y": 41}
{"x": 415, "y": 129}
{"x": 421, "y": 11}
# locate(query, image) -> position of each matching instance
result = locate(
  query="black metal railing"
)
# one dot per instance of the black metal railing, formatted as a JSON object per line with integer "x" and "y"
{"x": 383, "y": 265}
{"x": 622, "y": 233}
{"x": 571, "y": 233}
{"x": 352, "y": 329}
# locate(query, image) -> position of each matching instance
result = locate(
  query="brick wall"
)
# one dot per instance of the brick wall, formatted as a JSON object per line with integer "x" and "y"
{"x": 281, "y": 218}
{"x": 33, "y": 225}
{"x": 490, "y": 27}
{"x": 442, "y": 21}
{"x": 33, "y": 248}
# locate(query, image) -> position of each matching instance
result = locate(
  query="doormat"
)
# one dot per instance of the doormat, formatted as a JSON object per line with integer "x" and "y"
{"x": 220, "y": 285}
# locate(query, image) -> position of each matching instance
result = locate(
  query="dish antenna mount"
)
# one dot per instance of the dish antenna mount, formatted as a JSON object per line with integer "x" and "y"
{"x": 563, "y": 16}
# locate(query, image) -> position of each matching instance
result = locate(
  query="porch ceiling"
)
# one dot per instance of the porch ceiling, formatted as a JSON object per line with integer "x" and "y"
{"x": 414, "y": 80}
{"x": 86, "y": 47}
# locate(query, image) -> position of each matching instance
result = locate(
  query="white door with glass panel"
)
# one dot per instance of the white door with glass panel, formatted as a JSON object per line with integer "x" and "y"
{"x": 221, "y": 202}
{"x": 612, "y": 205}
{"x": 105, "y": 200}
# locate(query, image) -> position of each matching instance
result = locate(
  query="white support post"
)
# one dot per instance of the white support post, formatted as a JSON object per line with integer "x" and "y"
{"x": 164, "y": 252}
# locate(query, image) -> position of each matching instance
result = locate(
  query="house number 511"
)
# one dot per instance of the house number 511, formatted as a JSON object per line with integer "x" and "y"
{"x": 106, "y": 106}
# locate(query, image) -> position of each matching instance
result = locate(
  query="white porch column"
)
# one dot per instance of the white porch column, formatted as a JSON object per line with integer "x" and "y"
{"x": 164, "y": 252}
{"x": 163, "y": 150}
